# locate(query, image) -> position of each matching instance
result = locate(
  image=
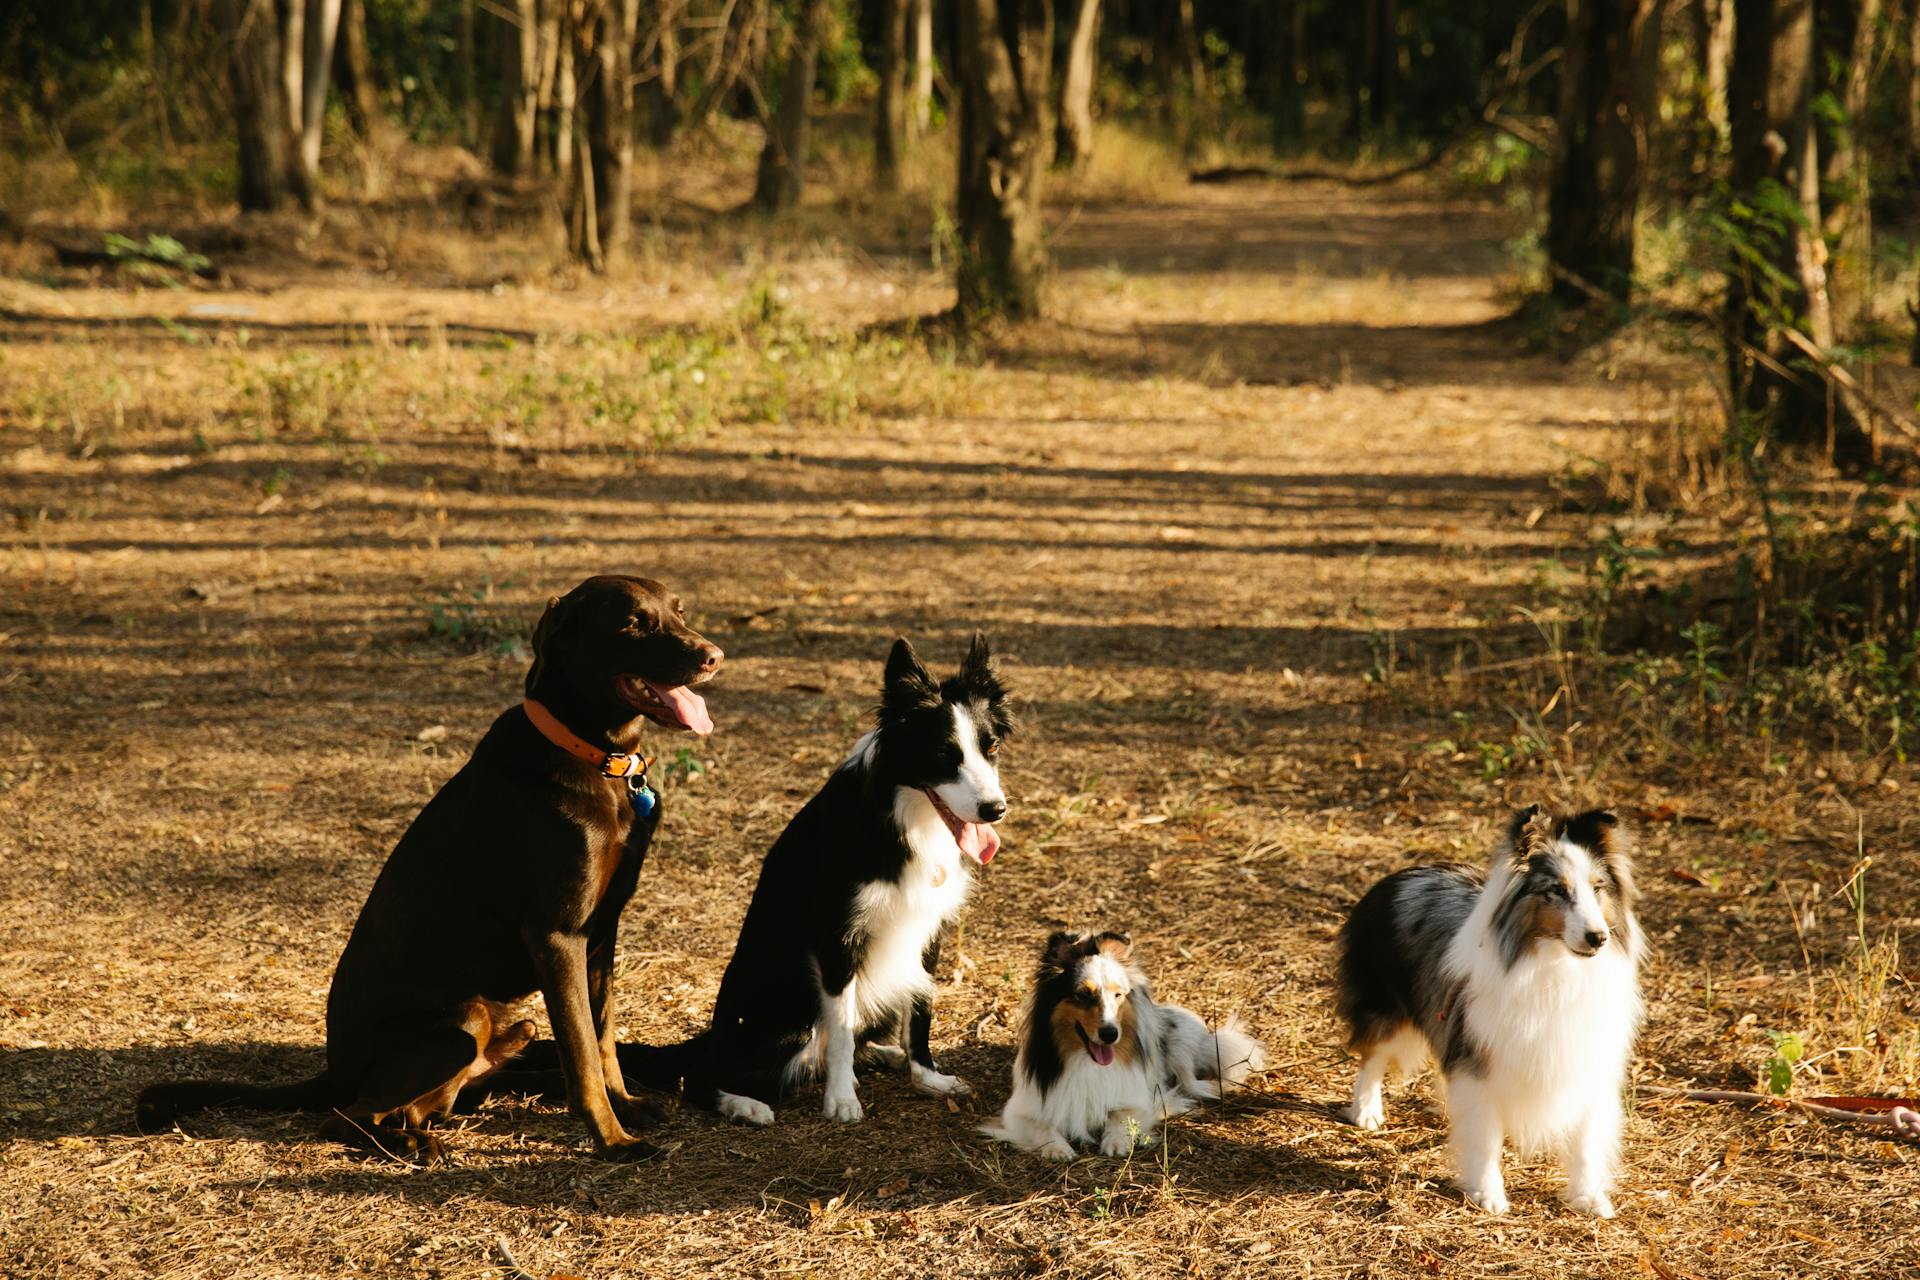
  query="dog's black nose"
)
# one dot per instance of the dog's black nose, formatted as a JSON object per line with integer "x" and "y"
{"x": 1596, "y": 938}
{"x": 1108, "y": 1034}
{"x": 993, "y": 810}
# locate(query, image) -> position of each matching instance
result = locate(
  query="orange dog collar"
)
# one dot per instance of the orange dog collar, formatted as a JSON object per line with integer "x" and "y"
{"x": 612, "y": 764}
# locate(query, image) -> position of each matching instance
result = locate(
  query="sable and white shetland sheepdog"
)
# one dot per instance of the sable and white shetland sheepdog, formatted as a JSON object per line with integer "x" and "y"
{"x": 842, "y": 936}
{"x": 1099, "y": 1060}
{"x": 1523, "y": 982}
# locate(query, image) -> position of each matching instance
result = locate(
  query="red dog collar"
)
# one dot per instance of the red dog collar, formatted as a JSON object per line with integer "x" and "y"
{"x": 612, "y": 764}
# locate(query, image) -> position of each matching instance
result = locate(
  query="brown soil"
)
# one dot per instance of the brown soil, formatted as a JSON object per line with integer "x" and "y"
{"x": 1238, "y": 520}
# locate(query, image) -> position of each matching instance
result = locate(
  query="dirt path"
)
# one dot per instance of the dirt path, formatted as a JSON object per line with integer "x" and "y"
{"x": 1275, "y": 451}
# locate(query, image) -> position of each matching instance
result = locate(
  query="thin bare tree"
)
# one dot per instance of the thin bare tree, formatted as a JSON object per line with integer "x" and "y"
{"x": 1073, "y": 127}
{"x": 889, "y": 103}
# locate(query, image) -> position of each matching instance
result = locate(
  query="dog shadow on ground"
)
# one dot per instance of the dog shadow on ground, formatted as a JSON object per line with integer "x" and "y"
{"x": 910, "y": 1153}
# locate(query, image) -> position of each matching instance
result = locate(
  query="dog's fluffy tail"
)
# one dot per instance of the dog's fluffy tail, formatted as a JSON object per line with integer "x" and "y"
{"x": 161, "y": 1104}
{"x": 1237, "y": 1055}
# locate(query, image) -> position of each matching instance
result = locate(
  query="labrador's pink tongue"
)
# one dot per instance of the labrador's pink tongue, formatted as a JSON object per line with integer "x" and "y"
{"x": 1102, "y": 1053}
{"x": 979, "y": 841}
{"x": 685, "y": 706}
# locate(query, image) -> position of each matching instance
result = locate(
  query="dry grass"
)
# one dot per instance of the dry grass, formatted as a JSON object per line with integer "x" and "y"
{"x": 1251, "y": 522}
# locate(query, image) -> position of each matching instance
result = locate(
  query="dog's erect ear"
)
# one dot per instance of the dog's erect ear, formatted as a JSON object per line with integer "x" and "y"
{"x": 1062, "y": 949}
{"x": 977, "y": 667}
{"x": 980, "y": 680}
{"x": 1117, "y": 947}
{"x": 1601, "y": 833}
{"x": 1521, "y": 832}
{"x": 1533, "y": 836}
{"x": 908, "y": 683}
{"x": 547, "y": 639}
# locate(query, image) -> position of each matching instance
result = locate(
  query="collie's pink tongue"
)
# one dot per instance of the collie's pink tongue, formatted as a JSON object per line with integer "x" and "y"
{"x": 978, "y": 841}
{"x": 1102, "y": 1053}
{"x": 685, "y": 707}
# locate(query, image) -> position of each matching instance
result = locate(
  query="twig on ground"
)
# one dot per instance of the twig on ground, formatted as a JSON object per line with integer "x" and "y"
{"x": 514, "y": 1270}
{"x": 1904, "y": 1123}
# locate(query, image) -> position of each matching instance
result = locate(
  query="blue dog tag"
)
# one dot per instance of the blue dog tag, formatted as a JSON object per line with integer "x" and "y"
{"x": 643, "y": 799}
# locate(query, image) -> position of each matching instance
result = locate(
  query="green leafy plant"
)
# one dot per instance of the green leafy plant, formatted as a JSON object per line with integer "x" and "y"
{"x": 1777, "y": 1070}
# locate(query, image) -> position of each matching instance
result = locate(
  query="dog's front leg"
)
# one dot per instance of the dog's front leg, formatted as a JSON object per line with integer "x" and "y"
{"x": 926, "y": 1076}
{"x": 1124, "y": 1131}
{"x": 1475, "y": 1132}
{"x": 633, "y": 1113}
{"x": 560, "y": 959}
{"x": 1592, "y": 1152}
{"x": 839, "y": 1024}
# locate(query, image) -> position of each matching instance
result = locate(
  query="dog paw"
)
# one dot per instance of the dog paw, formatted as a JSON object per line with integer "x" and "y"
{"x": 1489, "y": 1198}
{"x": 637, "y": 1113}
{"x": 1118, "y": 1142}
{"x": 890, "y": 1056}
{"x": 936, "y": 1085}
{"x": 1057, "y": 1149}
{"x": 1365, "y": 1115}
{"x": 1594, "y": 1202}
{"x": 746, "y": 1110}
{"x": 844, "y": 1107}
{"x": 628, "y": 1151}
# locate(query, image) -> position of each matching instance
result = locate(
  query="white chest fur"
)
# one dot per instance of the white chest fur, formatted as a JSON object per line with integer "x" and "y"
{"x": 894, "y": 920}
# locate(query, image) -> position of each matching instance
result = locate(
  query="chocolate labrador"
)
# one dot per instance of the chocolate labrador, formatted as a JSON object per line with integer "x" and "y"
{"x": 510, "y": 881}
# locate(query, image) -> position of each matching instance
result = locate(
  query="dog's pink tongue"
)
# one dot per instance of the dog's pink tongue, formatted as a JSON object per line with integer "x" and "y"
{"x": 1102, "y": 1053}
{"x": 688, "y": 708}
{"x": 979, "y": 841}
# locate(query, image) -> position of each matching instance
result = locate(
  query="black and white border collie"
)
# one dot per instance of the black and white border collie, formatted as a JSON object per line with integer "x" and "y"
{"x": 843, "y": 933}
{"x": 1100, "y": 1061}
{"x": 1523, "y": 981}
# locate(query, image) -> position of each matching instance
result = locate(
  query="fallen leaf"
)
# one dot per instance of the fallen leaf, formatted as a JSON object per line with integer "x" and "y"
{"x": 432, "y": 733}
{"x": 892, "y": 1189}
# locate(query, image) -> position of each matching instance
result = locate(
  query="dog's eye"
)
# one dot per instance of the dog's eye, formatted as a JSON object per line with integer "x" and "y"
{"x": 989, "y": 747}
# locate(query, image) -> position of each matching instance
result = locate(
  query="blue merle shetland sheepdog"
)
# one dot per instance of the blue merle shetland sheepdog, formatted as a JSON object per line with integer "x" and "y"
{"x": 842, "y": 935}
{"x": 1523, "y": 982}
{"x": 1100, "y": 1061}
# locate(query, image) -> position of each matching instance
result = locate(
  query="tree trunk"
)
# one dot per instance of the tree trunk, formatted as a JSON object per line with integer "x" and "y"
{"x": 889, "y": 104}
{"x": 549, "y": 38}
{"x": 783, "y": 160}
{"x": 1073, "y": 129}
{"x": 1608, "y": 78}
{"x": 733, "y": 56}
{"x": 1002, "y": 70}
{"x": 1284, "y": 81}
{"x": 516, "y": 122}
{"x": 663, "y": 105}
{"x": 922, "y": 114}
{"x": 1713, "y": 47}
{"x": 1778, "y": 274}
{"x": 1383, "y": 61}
{"x": 1913, "y": 86}
{"x": 320, "y": 27}
{"x": 251, "y": 29}
{"x": 1849, "y": 215}
{"x": 603, "y": 52}
{"x": 353, "y": 70}
{"x": 565, "y": 89}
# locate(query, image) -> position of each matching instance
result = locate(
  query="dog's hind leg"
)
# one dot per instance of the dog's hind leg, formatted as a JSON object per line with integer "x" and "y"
{"x": 415, "y": 1080}
{"x": 1378, "y": 1058}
